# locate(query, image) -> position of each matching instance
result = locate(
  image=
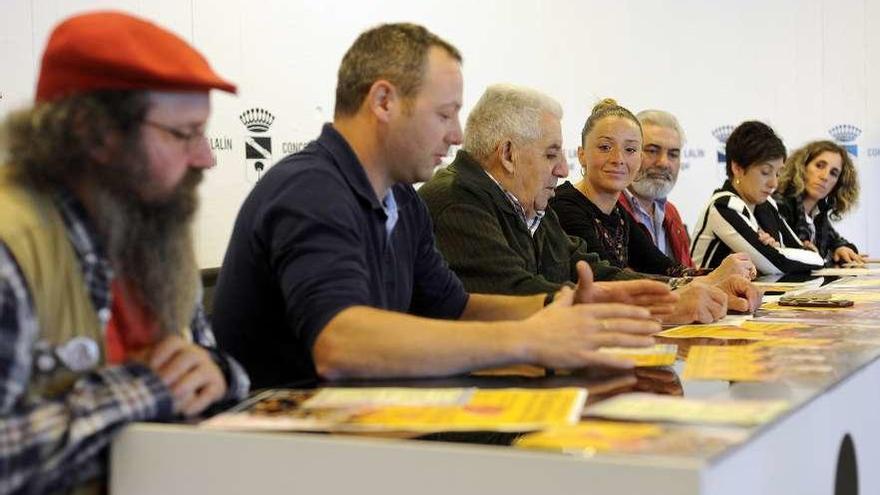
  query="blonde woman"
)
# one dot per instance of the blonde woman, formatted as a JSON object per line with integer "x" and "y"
{"x": 611, "y": 154}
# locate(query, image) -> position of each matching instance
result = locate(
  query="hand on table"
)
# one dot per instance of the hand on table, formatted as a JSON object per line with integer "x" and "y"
{"x": 650, "y": 294}
{"x": 189, "y": 371}
{"x": 568, "y": 335}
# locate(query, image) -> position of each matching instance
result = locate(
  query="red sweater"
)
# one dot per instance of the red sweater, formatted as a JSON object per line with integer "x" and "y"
{"x": 677, "y": 235}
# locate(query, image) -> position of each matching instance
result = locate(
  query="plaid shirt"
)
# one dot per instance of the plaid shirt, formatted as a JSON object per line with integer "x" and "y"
{"x": 54, "y": 444}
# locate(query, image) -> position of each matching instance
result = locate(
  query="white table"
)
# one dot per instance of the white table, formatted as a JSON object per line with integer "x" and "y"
{"x": 797, "y": 453}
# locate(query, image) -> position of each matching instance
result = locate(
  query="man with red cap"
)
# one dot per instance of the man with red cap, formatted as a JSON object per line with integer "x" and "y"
{"x": 100, "y": 320}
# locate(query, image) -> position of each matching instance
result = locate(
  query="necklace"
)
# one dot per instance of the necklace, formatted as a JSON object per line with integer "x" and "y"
{"x": 613, "y": 238}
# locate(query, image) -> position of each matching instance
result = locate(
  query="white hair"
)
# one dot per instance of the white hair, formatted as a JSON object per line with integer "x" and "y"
{"x": 662, "y": 119}
{"x": 506, "y": 111}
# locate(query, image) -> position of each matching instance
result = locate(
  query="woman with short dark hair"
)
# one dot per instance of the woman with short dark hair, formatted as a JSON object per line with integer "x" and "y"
{"x": 755, "y": 156}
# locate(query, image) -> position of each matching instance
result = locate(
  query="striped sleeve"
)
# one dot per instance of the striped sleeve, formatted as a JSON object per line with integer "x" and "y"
{"x": 728, "y": 219}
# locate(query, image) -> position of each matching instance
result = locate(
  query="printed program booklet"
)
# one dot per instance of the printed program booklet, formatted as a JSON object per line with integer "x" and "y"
{"x": 405, "y": 410}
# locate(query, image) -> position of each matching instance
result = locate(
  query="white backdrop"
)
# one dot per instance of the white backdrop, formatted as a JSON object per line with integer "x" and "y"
{"x": 804, "y": 66}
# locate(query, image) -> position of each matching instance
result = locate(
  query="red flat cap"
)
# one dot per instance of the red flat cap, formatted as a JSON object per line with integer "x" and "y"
{"x": 117, "y": 51}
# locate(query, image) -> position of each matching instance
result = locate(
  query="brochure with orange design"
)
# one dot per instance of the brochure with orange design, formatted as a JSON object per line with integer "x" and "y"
{"x": 644, "y": 357}
{"x": 599, "y": 436}
{"x": 406, "y": 410}
{"x": 592, "y": 437}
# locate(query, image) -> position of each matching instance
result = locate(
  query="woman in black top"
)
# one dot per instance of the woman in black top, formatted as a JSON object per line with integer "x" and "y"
{"x": 613, "y": 236}
{"x": 819, "y": 184}
{"x": 611, "y": 156}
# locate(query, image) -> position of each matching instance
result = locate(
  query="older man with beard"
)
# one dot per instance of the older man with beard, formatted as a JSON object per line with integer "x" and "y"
{"x": 645, "y": 199}
{"x": 100, "y": 317}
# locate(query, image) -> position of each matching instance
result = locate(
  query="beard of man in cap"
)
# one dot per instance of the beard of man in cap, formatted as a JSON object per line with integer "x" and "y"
{"x": 98, "y": 277}
{"x": 96, "y": 142}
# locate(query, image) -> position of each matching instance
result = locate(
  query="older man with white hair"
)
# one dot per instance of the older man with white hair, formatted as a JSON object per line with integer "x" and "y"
{"x": 490, "y": 205}
{"x": 646, "y": 198}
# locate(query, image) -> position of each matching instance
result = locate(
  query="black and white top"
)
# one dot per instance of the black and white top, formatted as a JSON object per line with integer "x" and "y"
{"x": 728, "y": 225}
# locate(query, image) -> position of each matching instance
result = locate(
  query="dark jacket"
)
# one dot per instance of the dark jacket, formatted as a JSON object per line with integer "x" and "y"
{"x": 791, "y": 208}
{"x": 616, "y": 238}
{"x": 729, "y": 225}
{"x": 488, "y": 245}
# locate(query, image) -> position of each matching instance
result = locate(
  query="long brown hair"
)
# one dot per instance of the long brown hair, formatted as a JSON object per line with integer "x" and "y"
{"x": 52, "y": 144}
{"x": 845, "y": 194}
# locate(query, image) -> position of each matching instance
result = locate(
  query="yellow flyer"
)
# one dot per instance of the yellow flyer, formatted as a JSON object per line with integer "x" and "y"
{"x": 733, "y": 363}
{"x": 656, "y": 355}
{"x": 496, "y": 410}
{"x": 650, "y": 407}
{"x": 724, "y": 332}
{"x": 747, "y": 330}
{"x": 596, "y": 436}
{"x": 405, "y": 410}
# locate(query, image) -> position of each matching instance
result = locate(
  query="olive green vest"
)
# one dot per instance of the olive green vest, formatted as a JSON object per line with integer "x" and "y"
{"x": 33, "y": 230}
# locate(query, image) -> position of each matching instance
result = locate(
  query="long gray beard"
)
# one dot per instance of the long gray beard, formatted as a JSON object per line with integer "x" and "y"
{"x": 150, "y": 246}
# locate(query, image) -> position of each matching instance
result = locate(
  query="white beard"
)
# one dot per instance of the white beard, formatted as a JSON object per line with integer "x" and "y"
{"x": 652, "y": 188}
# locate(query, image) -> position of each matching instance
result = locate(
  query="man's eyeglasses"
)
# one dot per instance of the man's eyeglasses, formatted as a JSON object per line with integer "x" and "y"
{"x": 189, "y": 139}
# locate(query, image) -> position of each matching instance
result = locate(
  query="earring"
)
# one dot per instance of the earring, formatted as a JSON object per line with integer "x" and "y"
{"x": 737, "y": 181}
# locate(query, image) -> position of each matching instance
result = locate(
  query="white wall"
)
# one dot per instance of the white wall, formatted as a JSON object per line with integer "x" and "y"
{"x": 802, "y": 66}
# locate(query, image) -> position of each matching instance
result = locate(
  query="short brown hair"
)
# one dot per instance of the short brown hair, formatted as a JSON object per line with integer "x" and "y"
{"x": 397, "y": 53}
{"x": 845, "y": 193}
